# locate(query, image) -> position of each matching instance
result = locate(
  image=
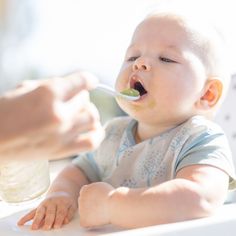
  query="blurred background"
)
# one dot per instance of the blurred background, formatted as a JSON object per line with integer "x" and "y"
{"x": 46, "y": 38}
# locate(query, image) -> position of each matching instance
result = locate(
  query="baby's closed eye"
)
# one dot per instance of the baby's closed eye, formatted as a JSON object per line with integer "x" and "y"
{"x": 167, "y": 60}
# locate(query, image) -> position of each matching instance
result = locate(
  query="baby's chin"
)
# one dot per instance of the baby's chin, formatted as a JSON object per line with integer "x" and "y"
{"x": 134, "y": 110}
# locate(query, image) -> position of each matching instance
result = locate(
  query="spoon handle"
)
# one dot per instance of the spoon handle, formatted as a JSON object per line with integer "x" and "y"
{"x": 114, "y": 93}
{"x": 107, "y": 89}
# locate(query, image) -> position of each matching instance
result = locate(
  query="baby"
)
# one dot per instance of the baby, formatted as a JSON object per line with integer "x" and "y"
{"x": 167, "y": 161}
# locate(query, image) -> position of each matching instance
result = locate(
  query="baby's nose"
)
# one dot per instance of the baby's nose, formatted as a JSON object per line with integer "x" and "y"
{"x": 141, "y": 64}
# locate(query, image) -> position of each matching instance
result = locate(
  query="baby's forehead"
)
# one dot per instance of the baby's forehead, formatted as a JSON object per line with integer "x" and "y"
{"x": 189, "y": 25}
{"x": 168, "y": 26}
{"x": 168, "y": 29}
{"x": 199, "y": 33}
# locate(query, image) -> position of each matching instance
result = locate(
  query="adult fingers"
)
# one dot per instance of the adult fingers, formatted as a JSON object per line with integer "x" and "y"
{"x": 68, "y": 111}
{"x": 78, "y": 101}
{"x": 89, "y": 80}
{"x": 85, "y": 142}
{"x": 22, "y": 88}
{"x": 68, "y": 86}
{"x": 29, "y": 216}
{"x": 27, "y": 85}
{"x": 77, "y": 116}
{"x": 82, "y": 143}
{"x": 86, "y": 120}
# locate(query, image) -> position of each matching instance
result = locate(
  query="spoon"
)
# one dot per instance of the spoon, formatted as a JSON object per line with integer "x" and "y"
{"x": 128, "y": 94}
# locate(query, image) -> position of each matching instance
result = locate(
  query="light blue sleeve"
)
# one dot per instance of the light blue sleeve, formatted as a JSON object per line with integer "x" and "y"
{"x": 209, "y": 148}
{"x": 88, "y": 165}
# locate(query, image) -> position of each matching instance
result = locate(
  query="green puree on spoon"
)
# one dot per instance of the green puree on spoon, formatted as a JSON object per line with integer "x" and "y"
{"x": 130, "y": 92}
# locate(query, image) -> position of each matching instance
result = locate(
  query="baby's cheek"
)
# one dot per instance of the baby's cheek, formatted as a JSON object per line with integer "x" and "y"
{"x": 119, "y": 85}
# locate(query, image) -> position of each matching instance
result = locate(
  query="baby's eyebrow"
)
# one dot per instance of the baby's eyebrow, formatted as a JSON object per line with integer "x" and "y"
{"x": 174, "y": 48}
{"x": 168, "y": 46}
{"x": 164, "y": 47}
{"x": 131, "y": 46}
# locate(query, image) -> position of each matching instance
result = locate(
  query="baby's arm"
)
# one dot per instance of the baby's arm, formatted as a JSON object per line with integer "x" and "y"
{"x": 196, "y": 192}
{"x": 60, "y": 203}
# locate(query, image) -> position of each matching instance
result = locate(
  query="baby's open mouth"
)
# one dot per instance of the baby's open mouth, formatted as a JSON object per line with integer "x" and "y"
{"x": 138, "y": 86}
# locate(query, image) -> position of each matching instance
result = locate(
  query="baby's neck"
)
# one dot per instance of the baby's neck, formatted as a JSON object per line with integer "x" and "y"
{"x": 144, "y": 131}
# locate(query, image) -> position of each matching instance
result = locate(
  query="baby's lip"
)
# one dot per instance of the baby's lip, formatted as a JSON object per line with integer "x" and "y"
{"x": 136, "y": 83}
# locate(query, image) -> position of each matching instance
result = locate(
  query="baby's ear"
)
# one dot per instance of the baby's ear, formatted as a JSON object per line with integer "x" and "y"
{"x": 212, "y": 94}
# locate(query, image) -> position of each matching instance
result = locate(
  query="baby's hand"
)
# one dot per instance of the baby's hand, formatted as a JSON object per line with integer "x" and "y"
{"x": 56, "y": 210}
{"x": 93, "y": 204}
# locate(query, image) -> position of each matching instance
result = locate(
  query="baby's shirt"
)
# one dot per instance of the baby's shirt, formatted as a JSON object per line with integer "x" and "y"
{"x": 119, "y": 161}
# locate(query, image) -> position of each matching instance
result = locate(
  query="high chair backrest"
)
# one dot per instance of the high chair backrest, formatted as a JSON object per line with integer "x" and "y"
{"x": 226, "y": 117}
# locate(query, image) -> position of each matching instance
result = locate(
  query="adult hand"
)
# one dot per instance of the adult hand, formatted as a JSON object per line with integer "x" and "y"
{"x": 94, "y": 204}
{"x": 49, "y": 119}
{"x": 54, "y": 211}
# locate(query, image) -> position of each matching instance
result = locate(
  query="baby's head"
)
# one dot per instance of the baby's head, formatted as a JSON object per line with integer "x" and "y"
{"x": 179, "y": 67}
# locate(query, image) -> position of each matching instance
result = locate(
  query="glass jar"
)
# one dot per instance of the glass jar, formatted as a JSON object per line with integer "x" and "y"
{"x": 23, "y": 180}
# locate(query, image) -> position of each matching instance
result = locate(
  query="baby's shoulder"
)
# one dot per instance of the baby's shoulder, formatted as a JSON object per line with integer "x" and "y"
{"x": 199, "y": 124}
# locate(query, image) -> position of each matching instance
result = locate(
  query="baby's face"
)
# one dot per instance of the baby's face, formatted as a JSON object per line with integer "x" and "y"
{"x": 162, "y": 64}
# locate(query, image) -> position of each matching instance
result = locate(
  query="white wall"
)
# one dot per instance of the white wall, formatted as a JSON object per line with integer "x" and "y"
{"x": 93, "y": 34}
{"x": 88, "y": 34}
